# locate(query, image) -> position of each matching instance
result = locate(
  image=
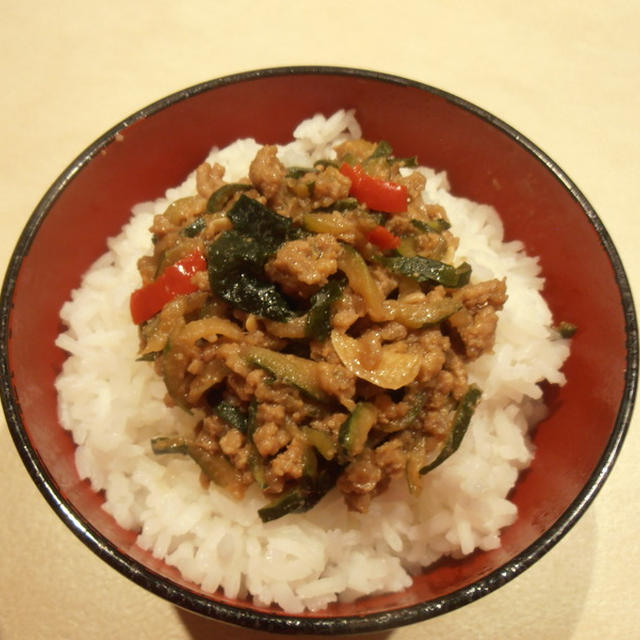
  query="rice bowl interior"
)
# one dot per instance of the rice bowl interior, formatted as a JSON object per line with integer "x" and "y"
{"x": 308, "y": 560}
{"x": 485, "y": 160}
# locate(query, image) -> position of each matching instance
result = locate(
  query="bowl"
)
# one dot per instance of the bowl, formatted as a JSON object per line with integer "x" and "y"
{"x": 486, "y": 160}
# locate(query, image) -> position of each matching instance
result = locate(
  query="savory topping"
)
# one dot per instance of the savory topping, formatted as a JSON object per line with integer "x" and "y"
{"x": 317, "y": 322}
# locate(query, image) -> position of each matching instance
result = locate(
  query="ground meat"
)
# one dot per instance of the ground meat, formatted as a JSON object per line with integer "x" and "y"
{"x": 348, "y": 310}
{"x": 291, "y": 411}
{"x": 359, "y": 481}
{"x": 233, "y": 445}
{"x": 267, "y": 172}
{"x": 330, "y": 423}
{"x": 474, "y": 326}
{"x": 437, "y": 422}
{"x": 290, "y": 464}
{"x": 209, "y": 179}
{"x": 390, "y": 412}
{"x": 391, "y": 457}
{"x": 328, "y": 186}
{"x": 269, "y": 438}
{"x": 433, "y": 347}
{"x": 476, "y": 331}
{"x": 337, "y": 381}
{"x": 301, "y": 267}
{"x": 386, "y": 280}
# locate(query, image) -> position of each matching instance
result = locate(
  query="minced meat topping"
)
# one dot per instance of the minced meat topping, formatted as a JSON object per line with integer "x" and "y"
{"x": 317, "y": 320}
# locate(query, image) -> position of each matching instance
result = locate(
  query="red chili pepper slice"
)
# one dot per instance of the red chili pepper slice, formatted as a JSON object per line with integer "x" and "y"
{"x": 383, "y": 238}
{"x": 377, "y": 194}
{"x": 175, "y": 280}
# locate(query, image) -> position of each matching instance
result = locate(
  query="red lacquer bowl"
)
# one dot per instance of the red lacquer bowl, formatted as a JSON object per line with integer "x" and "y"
{"x": 486, "y": 161}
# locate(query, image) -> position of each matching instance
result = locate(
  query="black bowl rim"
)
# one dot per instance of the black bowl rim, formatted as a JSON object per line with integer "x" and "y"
{"x": 312, "y": 624}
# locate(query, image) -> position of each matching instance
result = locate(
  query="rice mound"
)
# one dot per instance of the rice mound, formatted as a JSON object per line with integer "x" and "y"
{"x": 113, "y": 404}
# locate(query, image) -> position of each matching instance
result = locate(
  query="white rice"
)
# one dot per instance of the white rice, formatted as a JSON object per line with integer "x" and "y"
{"x": 113, "y": 405}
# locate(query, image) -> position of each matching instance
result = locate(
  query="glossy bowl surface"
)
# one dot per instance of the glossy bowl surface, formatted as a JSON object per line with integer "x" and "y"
{"x": 486, "y": 160}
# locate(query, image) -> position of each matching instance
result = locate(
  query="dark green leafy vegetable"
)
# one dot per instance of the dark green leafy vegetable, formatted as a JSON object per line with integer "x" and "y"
{"x": 345, "y": 204}
{"x": 566, "y": 329}
{"x": 194, "y": 228}
{"x": 325, "y": 163}
{"x": 461, "y": 419}
{"x": 318, "y": 322}
{"x": 431, "y": 226}
{"x": 321, "y": 440}
{"x": 294, "y": 500}
{"x": 233, "y": 415}
{"x": 305, "y": 495}
{"x": 355, "y": 429}
{"x": 298, "y": 172}
{"x": 236, "y": 275}
{"x": 428, "y": 270}
{"x": 252, "y": 218}
{"x": 236, "y": 260}
{"x": 383, "y": 150}
{"x": 411, "y": 161}
{"x": 221, "y": 196}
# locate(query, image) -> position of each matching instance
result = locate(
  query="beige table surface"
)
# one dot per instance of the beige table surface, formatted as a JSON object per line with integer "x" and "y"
{"x": 567, "y": 74}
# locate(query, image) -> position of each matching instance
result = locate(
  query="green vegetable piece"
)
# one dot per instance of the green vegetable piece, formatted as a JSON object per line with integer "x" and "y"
{"x": 566, "y": 329}
{"x": 353, "y": 265}
{"x": 345, "y": 204}
{"x": 303, "y": 496}
{"x": 355, "y": 429}
{"x": 252, "y": 218}
{"x": 194, "y": 228}
{"x": 232, "y": 415}
{"x": 310, "y": 466}
{"x": 292, "y": 501}
{"x": 431, "y": 226}
{"x": 169, "y": 444}
{"x": 383, "y": 150}
{"x": 416, "y": 316}
{"x": 299, "y": 372}
{"x": 236, "y": 260}
{"x": 214, "y": 465}
{"x": 318, "y": 322}
{"x": 411, "y": 161}
{"x": 298, "y": 172}
{"x": 236, "y": 275}
{"x": 221, "y": 196}
{"x": 321, "y": 440}
{"x": 459, "y": 425}
{"x": 407, "y": 247}
{"x": 428, "y": 270}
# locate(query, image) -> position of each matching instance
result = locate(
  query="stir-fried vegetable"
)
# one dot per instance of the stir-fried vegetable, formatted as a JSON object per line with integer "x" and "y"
{"x": 380, "y": 195}
{"x": 237, "y": 257}
{"x": 383, "y": 238}
{"x": 175, "y": 280}
{"x": 321, "y": 348}
{"x": 425, "y": 269}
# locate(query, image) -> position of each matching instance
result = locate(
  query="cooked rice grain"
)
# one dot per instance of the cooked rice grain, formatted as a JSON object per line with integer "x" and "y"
{"x": 113, "y": 405}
